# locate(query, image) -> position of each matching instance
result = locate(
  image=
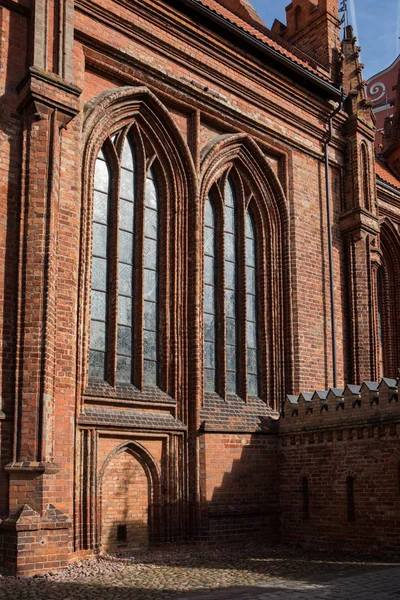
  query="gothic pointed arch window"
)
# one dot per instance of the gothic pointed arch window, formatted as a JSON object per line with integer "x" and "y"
{"x": 232, "y": 302}
{"x": 387, "y": 302}
{"x": 127, "y": 239}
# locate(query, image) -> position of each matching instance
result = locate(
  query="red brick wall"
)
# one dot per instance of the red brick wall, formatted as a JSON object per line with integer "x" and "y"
{"x": 239, "y": 483}
{"x": 211, "y": 87}
{"x": 327, "y": 449}
{"x": 32, "y": 552}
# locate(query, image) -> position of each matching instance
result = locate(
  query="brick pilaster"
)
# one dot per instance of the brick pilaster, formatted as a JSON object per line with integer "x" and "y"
{"x": 47, "y": 104}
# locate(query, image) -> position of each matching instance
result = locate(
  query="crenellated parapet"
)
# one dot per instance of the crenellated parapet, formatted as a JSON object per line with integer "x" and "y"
{"x": 341, "y": 407}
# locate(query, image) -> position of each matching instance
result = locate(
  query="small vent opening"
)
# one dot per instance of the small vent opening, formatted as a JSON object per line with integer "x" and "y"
{"x": 122, "y": 534}
{"x": 306, "y": 499}
{"x": 351, "y": 509}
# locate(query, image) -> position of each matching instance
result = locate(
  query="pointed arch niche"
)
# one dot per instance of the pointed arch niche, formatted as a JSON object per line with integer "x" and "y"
{"x": 246, "y": 270}
{"x": 130, "y": 499}
{"x": 138, "y": 178}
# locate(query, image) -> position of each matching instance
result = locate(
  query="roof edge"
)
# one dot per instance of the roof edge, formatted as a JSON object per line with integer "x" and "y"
{"x": 326, "y": 86}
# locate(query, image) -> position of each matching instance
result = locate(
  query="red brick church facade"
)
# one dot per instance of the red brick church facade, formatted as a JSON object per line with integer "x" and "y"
{"x": 193, "y": 232}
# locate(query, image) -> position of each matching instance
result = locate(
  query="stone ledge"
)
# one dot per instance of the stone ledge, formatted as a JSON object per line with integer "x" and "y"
{"x": 32, "y": 466}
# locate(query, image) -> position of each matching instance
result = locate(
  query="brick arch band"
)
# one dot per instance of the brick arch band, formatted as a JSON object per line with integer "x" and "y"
{"x": 153, "y": 476}
{"x": 105, "y": 115}
{"x": 270, "y": 208}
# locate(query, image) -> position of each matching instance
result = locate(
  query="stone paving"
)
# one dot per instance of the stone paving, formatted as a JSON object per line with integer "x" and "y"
{"x": 252, "y": 573}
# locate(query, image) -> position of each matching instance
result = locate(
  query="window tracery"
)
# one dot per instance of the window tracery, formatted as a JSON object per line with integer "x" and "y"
{"x": 231, "y": 303}
{"x": 124, "y": 344}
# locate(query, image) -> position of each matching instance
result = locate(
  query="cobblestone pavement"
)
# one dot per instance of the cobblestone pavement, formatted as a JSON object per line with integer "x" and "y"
{"x": 252, "y": 573}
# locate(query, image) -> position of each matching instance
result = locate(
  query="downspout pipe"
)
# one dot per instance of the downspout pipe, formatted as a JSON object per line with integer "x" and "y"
{"x": 330, "y": 241}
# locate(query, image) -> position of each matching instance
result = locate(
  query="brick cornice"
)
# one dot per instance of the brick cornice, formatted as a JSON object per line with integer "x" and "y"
{"x": 244, "y": 63}
{"x": 106, "y": 59}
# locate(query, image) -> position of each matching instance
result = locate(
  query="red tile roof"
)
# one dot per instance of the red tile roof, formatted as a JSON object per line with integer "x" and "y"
{"x": 384, "y": 173}
{"x": 269, "y": 39}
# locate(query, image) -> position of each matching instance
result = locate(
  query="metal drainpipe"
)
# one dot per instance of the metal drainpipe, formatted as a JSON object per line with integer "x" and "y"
{"x": 330, "y": 243}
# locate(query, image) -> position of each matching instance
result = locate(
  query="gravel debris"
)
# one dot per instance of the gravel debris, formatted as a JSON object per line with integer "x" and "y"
{"x": 187, "y": 572}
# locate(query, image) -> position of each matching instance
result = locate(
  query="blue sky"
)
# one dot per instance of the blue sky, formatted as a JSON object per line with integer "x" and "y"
{"x": 377, "y": 23}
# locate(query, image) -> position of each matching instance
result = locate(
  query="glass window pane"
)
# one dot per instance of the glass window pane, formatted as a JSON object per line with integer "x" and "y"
{"x": 100, "y": 209}
{"x": 231, "y": 358}
{"x": 151, "y": 281}
{"x": 209, "y": 380}
{"x": 125, "y": 279}
{"x": 209, "y": 241}
{"x": 209, "y": 328}
{"x": 125, "y": 247}
{"x": 126, "y": 185}
{"x": 209, "y": 299}
{"x": 209, "y": 214}
{"x": 249, "y": 227}
{"x": 99, "y": 306}
{"x": 251, "y": 335}
{"x": 209, "y": 354}
{"x": 150, "y": 285}
{"x": 100, "y": 240}
{"x": 231, "y": 382}
{"x": 150, "y": 345}
{"x": 124, "y": 369}
{"x": 229, "y": 219}
{"x": 124, "y": 310}
{"x": 250, "y": 252}
{"x": 98, "y": 325}
{"x": 128, "y": 157}
{"x": 99, "y": 274}
{"x": 251, "y": 280}
{"x": 252, "y": 360}
{"x": 209, "y": 270}
{"x": 151, "y": 194}
{"x": 230, "y": 287}
{"x": 124, "y": 342}
{"x": 230, "y": 247}
{"x": 150, "y": 316}
{"x": 230, "y": 303}
{"x": 230, "y": 275}
{"x": 126, "y": 215}
{"x": 150, "y": 253}
{"x": 252, "y": 385}
{"x": 229, "y": 193}
{"x": 231, "y": 331}
{"x": 101, "y": 176}
{"x": 251, "y": 308}
{"x": 251, "y": 275}
{"x": 151, "y": 223}
{"x": 96, "y": 365}
{"x": 98, "y": 335}
{"x": 150, "y": 372}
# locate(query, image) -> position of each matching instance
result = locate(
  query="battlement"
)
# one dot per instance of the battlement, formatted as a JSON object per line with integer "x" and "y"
{"x": 313, "y": 27}
{"x": 336, "y": 406}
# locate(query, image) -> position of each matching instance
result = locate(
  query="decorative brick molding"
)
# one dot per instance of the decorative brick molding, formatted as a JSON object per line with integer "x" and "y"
{"x": 369, "y": 402}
